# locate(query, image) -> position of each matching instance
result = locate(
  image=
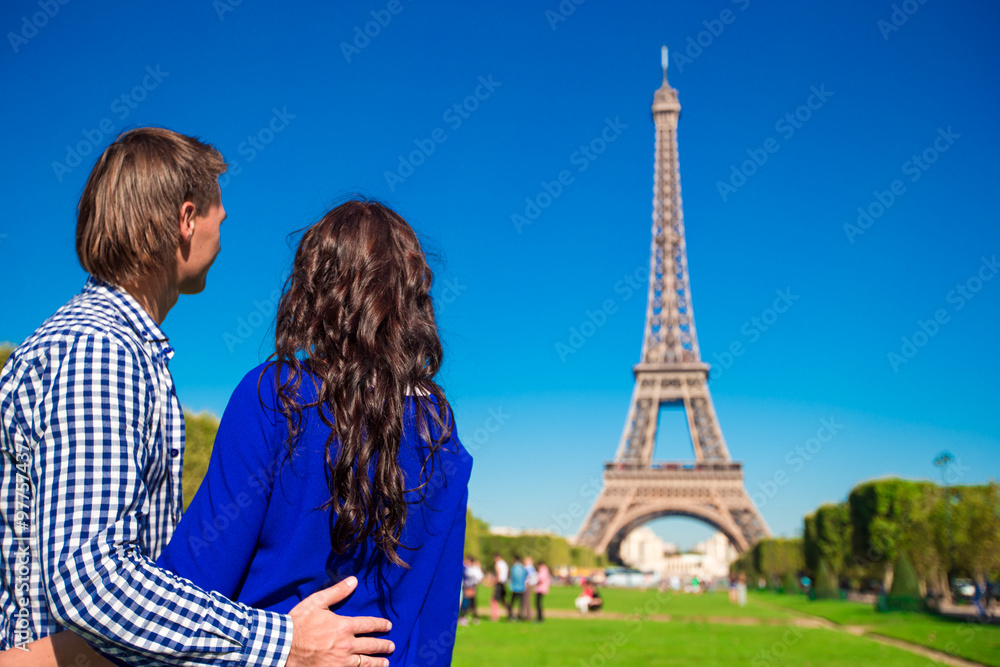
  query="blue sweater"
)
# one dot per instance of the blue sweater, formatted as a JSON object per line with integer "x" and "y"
{"x": 253, "y": 531}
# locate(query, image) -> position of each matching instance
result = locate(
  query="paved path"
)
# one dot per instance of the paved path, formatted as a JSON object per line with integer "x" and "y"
{"x": 798, "y": 619}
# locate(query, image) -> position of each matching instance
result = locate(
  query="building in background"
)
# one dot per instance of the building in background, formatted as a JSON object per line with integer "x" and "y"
{"x": 708, "y": 560}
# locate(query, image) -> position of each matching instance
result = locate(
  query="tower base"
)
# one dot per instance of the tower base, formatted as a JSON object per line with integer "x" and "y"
{"x": 636, "y": 494}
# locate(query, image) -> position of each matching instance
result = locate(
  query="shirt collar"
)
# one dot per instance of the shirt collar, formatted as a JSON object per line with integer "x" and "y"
{"x": 134, "y": 315}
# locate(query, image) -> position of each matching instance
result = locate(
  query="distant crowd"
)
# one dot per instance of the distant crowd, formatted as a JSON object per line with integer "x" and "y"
{"x": 512, "y": 586}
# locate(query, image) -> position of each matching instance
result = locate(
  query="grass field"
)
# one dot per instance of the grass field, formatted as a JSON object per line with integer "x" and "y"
{"x": 687, "y": 639}
{"x": 599, "y": 643}
{"x": 631, "y": 601}
{"x": 963, "y": 639}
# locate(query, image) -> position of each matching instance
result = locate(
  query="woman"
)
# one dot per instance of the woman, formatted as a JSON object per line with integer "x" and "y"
{"x": 339, "y": 458}
{"x": 542, "y": 588}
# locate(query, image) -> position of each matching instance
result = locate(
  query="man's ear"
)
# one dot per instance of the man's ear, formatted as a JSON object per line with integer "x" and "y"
{"x": 186, "y": 220}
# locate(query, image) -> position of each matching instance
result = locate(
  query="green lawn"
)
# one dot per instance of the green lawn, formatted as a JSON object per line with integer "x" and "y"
{"x": 603, "y": 643}
{"x": 966, "y": 640}
{"x": 631, "y": 601}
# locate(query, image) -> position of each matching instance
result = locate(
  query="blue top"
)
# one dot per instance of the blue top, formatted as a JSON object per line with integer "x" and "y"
{"x": 518, "y": 575}
{"x": 255, "y": 534}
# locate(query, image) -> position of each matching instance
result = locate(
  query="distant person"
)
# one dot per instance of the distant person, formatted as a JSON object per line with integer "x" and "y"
{"x": 583, "y": 600}
{"x": 741, "y": 590}
{"x": 499, "y": 588}
{"x": 977, "y": 599}
{"x": 542, "y": 588}
{"x": 989, "y": 594}
{"x": 596, "y": 601}
{"x": 471, "y": 576}
{"x": 518, "y": 587}
{"x": 530, "y": 584}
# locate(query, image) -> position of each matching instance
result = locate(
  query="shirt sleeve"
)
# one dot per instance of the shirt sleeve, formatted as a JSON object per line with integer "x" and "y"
{"x": 216, "y": 539}
{"x": 92, "y": 500}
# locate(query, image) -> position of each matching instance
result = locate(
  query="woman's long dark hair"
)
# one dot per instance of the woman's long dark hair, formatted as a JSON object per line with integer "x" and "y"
{"x": 357, "y": 314}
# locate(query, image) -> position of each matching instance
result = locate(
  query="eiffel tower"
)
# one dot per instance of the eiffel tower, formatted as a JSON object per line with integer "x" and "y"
{"x": 637, "y": 489}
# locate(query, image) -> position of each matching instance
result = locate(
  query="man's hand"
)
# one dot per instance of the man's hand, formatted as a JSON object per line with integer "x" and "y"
{"x": 321, "y": 638}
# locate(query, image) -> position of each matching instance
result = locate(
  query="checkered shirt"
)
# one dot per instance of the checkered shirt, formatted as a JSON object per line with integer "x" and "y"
{"x": 91, "y": 452}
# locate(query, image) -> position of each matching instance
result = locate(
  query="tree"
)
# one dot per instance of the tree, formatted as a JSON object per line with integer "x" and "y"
{"x": 474, "y": 530}
{"x": 5, "y": 351}
{"x": 199, "y": 436}
{"x": 884, "y": 518}
{"x": 776, "y": 557}
{"x": 976, "y": 530}
{"x": 826, "y": 537}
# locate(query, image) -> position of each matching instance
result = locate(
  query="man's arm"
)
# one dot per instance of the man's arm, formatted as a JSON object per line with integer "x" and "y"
{"x": 63, "y": 649}
{"x": 91, "y": 502}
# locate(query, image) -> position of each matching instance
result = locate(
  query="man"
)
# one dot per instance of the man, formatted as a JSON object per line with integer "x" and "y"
{"x": 499, "y": 588}
{"x": 92, "y": 438}
{"x": 518, "y": 588}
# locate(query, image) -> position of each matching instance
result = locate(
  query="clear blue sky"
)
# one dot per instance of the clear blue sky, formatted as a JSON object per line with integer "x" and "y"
{"x": 271, "y": 86}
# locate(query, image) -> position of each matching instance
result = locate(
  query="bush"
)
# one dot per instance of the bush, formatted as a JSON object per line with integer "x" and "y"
{"x": 825, "y": 586}
{"x": 790, "y": 583}
{"x": 905, "y": 593}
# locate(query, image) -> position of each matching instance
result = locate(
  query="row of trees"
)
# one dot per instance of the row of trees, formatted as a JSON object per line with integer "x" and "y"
{"x": 554, "y": 550}
{"x": 886, "y": 525}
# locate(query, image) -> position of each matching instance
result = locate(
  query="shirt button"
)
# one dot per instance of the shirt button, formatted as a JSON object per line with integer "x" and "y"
{"x": 175, "y": 452}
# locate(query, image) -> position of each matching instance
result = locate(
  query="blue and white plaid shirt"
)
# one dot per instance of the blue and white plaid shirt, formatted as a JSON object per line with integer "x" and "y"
{"x": 91, "y": 451}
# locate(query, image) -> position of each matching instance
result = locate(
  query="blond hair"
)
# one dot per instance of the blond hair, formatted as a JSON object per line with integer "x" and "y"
{"x": 127, "y": 219}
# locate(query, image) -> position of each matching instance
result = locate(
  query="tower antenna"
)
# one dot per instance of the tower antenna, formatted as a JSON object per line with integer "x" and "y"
{"x": 664, "y": 61}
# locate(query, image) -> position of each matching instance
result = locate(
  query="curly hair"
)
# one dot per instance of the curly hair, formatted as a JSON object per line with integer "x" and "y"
{"x": 357, "y": 314}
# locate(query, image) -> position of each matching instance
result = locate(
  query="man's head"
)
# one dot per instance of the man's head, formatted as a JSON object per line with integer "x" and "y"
{"x": 152, "y": 207}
